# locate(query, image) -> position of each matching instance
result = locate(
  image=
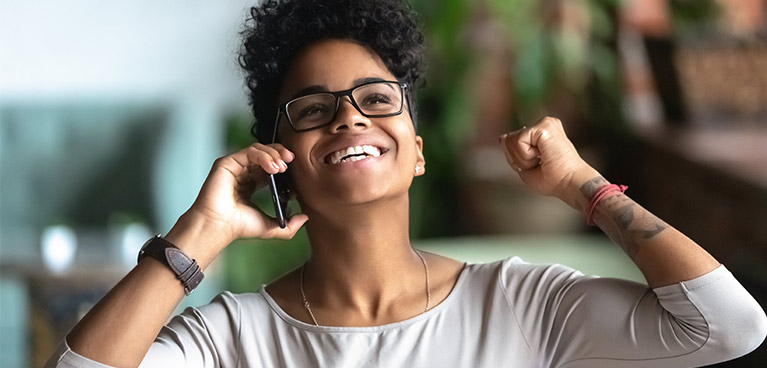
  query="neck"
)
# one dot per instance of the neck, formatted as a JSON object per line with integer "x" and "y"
{"x": 363, "y": 259}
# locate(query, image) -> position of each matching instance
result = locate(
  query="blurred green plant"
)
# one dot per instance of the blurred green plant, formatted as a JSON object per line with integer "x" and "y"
{"x": 559, "y": 47}
{"x": 694, "y": 18}
{"x": 445, "y": 114}
{"x": 549, "y": 60}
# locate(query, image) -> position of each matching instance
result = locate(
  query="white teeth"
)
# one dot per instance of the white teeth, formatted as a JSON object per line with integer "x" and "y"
{"x": 356, "y": 152}
{"x": 372, "y": 151}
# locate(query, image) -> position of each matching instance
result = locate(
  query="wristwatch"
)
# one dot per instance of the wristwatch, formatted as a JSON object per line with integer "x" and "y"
{"x": 187, "y": 270}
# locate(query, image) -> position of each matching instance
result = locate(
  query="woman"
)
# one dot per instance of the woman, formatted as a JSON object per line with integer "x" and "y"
{"x": 333, "y": 84}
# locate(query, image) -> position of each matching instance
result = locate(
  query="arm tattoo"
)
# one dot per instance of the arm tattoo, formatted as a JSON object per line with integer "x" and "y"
{"x": 633, "y": 224}
{"x": 590, "y": 187}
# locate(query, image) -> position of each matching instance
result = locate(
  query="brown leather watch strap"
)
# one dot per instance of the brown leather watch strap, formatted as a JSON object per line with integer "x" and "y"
{"x": 186, "y": 270}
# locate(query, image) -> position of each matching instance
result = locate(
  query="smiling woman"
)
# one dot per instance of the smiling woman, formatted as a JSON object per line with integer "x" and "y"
{"x": 332, "y": 92}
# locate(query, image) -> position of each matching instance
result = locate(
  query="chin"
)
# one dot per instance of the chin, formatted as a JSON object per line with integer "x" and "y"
{"x": 357, "y": 195}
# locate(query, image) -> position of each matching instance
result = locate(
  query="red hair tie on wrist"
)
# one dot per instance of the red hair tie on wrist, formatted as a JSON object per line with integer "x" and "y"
{"x": 600, "y": 194}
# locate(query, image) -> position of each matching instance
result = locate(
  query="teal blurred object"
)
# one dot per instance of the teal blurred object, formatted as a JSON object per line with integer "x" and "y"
{"x": 590, "y": 254}
{"x": 14, "y": 336}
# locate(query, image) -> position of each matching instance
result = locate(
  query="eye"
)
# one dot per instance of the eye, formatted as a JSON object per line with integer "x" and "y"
{"x": 313, "y": 110}
{"x": 376, "y": 98}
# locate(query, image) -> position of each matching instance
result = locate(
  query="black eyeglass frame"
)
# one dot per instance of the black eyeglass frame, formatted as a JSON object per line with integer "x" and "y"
{"x": 283, "y": 109}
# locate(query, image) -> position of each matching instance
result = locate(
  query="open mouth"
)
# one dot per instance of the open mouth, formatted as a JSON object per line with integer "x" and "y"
{"x": 354, "y": 153}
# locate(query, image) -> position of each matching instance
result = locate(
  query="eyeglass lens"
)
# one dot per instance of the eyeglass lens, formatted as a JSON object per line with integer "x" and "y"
{"x": 372, "y": 100}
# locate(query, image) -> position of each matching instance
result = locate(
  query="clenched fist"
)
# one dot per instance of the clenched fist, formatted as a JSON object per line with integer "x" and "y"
{"x": 547, "y": 161}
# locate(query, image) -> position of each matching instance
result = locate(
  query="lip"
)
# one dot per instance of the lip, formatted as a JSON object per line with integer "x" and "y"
{"x": 351, "y": 141}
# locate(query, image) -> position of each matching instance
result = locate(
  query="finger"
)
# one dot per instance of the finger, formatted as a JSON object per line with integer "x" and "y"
{"x": 231, "y": 164}
{"x": 254, "y": 156}
{"x": 506, "y": 153}
{"x": 255, "y": 178}
{"x": 247, "y": 173}
{"x": 284, "y": 153}
{"x": 292, "y": 226}
{"x": 527, "y": 147}
{"x": 267, "y": 157}
{"x": 522, "y": 150}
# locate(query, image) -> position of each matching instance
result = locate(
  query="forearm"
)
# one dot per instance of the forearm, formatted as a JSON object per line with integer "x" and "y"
{"x": 663, "y": 254}
{"x": 120, "y": 329}
{"x": 548, "y": 163}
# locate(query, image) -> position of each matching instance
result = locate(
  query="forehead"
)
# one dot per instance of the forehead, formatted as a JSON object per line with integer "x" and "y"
{"x": 332, "y": 65}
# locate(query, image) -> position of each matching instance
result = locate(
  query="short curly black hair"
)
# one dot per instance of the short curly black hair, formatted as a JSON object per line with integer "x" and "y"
{"x": 278, "y": 29}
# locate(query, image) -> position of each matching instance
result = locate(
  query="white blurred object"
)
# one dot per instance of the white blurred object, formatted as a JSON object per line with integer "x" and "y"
{"x": 641, "y": 102}
{"x": 59, "y": 245}
{"x": 133, "y": 236}
{"x": 124, "y": 49}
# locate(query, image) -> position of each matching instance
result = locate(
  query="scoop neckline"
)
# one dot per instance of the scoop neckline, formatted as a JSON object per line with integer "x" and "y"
{"x": 366, "y": 329}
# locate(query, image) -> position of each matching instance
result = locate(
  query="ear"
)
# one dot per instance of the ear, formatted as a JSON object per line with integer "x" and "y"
{"x": 419, "y": 159}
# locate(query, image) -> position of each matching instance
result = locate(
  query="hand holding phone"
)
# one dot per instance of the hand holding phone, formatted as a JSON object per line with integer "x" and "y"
{"x": 224, "y": 203}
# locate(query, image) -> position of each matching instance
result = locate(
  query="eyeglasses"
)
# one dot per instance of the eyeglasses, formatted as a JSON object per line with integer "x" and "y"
{"x": 373, "y": 100}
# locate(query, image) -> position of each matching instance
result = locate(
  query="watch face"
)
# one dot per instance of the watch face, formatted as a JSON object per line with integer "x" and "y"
{"x": 146, "y": 244}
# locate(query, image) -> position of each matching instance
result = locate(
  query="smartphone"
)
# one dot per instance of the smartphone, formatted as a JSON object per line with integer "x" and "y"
{"x": 278, "y": 186}
{"x": 280, "y": 195}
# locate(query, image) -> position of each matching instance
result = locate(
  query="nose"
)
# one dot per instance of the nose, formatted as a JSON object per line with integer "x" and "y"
{"x": 348, "y": 117}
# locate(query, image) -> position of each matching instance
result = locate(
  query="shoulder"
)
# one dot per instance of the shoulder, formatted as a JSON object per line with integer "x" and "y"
{"x": 520, "y": 280}
{"x": 514, "y": 270}
{"x": 206, "y": 333}
{"x": 226, "y": 308}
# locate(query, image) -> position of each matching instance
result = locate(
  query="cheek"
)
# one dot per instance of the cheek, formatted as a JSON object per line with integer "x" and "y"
{"x": 300, "y": 167}
{"x": 408, "y": 147}
{"x": 297, "y": 143}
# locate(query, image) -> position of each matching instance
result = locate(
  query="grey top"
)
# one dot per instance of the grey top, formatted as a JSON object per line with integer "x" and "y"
{"x": 503, "y": 314}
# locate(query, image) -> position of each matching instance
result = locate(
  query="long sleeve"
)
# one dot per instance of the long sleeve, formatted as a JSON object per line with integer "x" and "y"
{"x": 198, "y": 337}
{"x": 504, "y": 314}
{"x": 571, "y": 320}
{"x": 64, "y": 357}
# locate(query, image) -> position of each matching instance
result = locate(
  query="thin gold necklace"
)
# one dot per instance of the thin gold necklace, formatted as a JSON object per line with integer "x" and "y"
{"x": 428, "y": 288}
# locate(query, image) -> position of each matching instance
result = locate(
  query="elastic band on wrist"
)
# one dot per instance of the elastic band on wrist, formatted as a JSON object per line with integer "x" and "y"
{"x": 600, "y": 194}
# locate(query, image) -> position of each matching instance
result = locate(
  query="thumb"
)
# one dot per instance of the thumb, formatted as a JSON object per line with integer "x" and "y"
{"x": 527, "y": 144}
{"x": 292, "y": 226}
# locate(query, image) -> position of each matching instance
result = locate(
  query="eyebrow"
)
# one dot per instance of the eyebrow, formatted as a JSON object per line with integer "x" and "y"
{"x": 318, "y": 89}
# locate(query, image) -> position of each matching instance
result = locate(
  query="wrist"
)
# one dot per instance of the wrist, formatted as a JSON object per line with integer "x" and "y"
{"x": 198, "y": 238}
{"x": 187, "y": 270}
{"x": 581, "y": 186}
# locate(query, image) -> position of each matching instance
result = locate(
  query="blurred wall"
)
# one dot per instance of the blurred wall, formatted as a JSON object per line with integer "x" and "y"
{"x": 111, "y": 114}
{"x": 85, "y": 83}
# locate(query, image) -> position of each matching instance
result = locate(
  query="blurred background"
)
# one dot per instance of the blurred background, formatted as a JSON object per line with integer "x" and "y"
{"x": 111, "y": 114}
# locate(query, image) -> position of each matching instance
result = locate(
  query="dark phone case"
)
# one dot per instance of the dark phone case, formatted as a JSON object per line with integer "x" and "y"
{"x": 280, "y": 198}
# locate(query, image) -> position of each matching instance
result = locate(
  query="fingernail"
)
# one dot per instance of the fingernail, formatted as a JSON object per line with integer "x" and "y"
{"x": 275, "y": 166}
{"x": 283, "y": 164}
